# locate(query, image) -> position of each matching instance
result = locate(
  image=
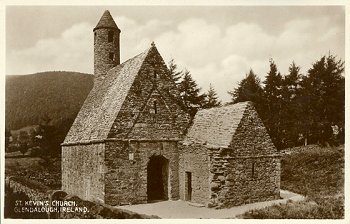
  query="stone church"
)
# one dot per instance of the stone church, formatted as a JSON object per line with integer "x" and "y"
{"x": 132, "y": 142}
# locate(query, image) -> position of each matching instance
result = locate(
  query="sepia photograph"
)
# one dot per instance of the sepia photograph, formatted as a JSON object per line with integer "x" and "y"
{"x": 155, "y": 111}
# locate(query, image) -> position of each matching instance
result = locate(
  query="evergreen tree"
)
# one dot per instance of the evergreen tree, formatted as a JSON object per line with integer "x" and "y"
{"x": 273, "y": 111}
{"x": 291, "y": 106}
{"x": 190, "y": 94}
{"x": 273, "y": 83}
{"x": 50, "y": 137}
{"x": 175, "y": 77}
{"x": 175, "y": 74}
{"x": 292, "y": 81}
{"x": 324, "y": 99}
{"x": 212, "y": 98}
{"x": 249, "y": 89}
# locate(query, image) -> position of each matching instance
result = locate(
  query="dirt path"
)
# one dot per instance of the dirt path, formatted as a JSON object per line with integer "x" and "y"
{"x": 182, "y": 209}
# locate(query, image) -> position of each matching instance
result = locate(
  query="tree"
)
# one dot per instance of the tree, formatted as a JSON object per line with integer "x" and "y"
{"x": 50, "y": 137}
{"x": 273, "y": 83}
{"x": 212, "y": 98}
{"x": 175, "y": 74}
{"x": 190, "y": 94}
{"x": 249, "y": 89}
{"x": 291, "y": 106}
{"x": 273, "y": 110}
{"x": 323, "y": 91}
{"x": 23, "y": 141}
{"x": 292, "y": 82}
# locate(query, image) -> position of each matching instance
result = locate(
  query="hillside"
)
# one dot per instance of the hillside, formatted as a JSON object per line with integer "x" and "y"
{"x": 318, "y": 174}
{"x": 57, "y": 95}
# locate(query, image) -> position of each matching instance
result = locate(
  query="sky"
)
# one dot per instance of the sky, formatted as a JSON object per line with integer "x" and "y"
{"x": 217, "y": 44}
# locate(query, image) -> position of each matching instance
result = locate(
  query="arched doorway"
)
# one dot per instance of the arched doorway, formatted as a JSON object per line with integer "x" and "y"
{"x": 157, "y": 178}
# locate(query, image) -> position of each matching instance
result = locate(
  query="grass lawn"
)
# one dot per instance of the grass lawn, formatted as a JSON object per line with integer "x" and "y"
{"x": 318, "y": 174}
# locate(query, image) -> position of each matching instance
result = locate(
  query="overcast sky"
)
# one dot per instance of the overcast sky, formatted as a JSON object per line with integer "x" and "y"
{"x": 217, "y": 44}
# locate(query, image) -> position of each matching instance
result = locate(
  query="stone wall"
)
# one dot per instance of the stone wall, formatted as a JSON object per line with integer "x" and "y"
{"x": 25, "y": 190}
{"x": 153, "y": 87}
{"x": 34, "y": 190}
{"x": 21, "y": 190}
{"x": 194, "y": 159}
{"x": 248, "y": 171}
{"x": 126, "y": 170}
{"x": 243, "y": 179}
{"x": 83, "y": 171}
{"x": 99, "y": 211}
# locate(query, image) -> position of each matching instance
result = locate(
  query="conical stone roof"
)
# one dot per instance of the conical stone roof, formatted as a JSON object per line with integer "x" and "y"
{"x": 106, "y": 21}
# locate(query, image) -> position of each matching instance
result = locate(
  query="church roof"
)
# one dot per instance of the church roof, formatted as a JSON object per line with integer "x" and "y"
{"x": 104, "y": 102}
{"x": 216, "y": 126}
{"x": 106, "y": 21}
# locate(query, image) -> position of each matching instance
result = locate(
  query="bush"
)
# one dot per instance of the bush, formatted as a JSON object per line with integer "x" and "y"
{"x": 35, "y": 151}
{"x": 332, "y": 208}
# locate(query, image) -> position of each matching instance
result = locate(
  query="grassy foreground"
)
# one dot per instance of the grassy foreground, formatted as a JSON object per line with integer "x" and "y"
{"x": 318, "y": 174}
{"x": 46, "y": 172}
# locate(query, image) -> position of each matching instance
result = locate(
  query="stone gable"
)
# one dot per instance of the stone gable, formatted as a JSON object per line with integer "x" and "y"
{"x": 150, "y": 110}
{"x": 251, "y": 137}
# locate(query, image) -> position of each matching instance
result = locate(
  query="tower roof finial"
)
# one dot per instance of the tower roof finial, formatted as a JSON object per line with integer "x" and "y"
{"x": 153, "y": 44}
{"x": 106, "y": 21}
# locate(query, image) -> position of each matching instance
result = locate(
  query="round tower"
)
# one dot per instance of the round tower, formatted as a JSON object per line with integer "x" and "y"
{"x": 106, "y": 45}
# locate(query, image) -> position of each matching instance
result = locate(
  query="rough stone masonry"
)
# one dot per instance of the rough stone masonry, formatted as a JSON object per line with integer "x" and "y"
{"x": 132, "y": 141}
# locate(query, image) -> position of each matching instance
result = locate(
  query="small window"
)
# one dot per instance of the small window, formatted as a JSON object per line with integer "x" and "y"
{"x": 155, "y": 106}
{"x": 111, "y": 56}
{"x": 131, "y": 156}
{"x": 155, "y": 74}
{"x": 110, "y": 36}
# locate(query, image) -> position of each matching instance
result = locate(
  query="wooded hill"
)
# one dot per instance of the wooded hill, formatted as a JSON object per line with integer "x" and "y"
{"x": 55, "y": 95}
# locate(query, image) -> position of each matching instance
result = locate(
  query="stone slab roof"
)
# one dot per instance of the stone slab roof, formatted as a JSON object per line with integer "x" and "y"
{"x": 104, "y": 102}
{"x": 216, "y": 126}
{"x": 106, "y": 21}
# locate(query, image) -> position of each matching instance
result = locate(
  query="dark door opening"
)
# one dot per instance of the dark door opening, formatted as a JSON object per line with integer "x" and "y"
{"x": 157, "y": 178}
{"x": 188, "y": 186}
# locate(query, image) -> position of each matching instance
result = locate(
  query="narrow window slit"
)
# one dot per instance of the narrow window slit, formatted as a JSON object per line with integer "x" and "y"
{"x": 155, "y": 106}
{"x": 110, "y": 36}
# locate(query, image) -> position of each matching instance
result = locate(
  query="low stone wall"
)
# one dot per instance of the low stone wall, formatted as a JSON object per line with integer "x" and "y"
{"x": 100, "y": 211}
{"x": 35, "y": 191}
{"x": 27, "y": 190}
{"x": 20, "y": 190}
